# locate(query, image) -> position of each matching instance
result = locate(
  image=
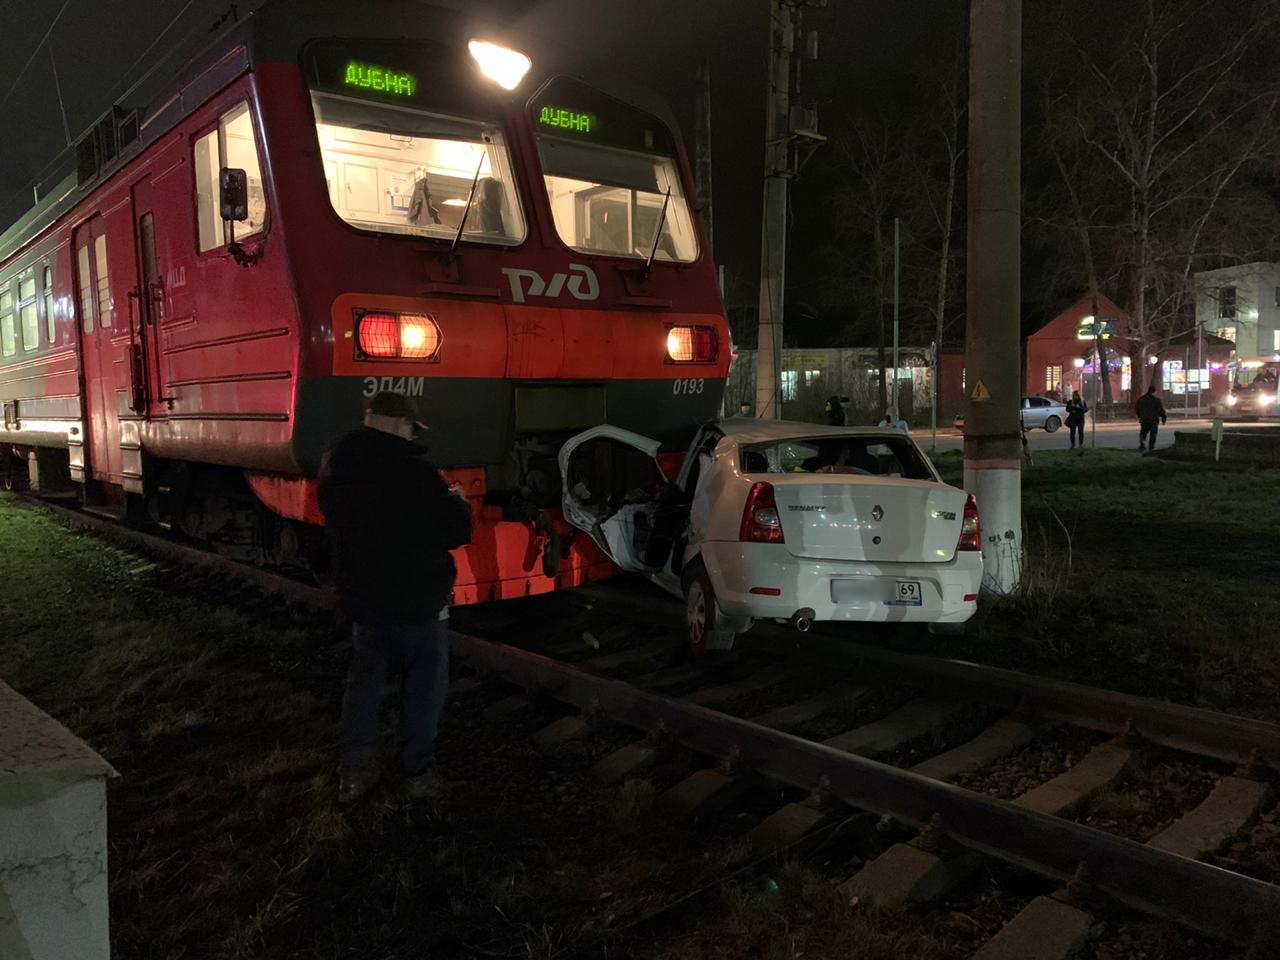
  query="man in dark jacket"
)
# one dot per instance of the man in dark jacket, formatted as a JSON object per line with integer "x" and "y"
{"x": 391, "y": 522}
{"x": 1150, "y": 415}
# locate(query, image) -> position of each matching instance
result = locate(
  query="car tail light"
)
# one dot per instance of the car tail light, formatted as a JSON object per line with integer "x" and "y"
{"x": 761, "y": 522}
{"x": 692, "y": 344}
{"x": 408, "y": 336}
{"x": 970, "y": 527}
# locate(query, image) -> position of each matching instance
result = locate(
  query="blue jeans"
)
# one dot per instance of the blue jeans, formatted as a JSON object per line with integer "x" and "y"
{"x": 421, "y": 652}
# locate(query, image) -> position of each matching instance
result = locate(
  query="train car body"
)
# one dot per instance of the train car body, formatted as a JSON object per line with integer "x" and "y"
{"x": 521, "y": 262}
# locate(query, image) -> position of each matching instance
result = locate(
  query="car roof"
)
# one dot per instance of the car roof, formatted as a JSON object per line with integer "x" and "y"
{"x": 748, "y": 430}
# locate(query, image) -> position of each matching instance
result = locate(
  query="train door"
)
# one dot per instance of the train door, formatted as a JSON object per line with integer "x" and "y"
{"x": 150, "y": 297}
{"x": 96, "y": 311}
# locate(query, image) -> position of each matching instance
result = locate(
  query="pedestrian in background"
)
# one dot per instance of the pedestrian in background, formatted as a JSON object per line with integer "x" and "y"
{"x": 833, "y": 413}
{"x": 391, "y": 522}
{"x": 1150, "y": 415}
{"x": 897, "y": 423}
{"x": 1076, "y": 409}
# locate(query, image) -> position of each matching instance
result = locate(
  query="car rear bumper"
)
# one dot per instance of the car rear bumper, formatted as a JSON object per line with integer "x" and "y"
{"x": 838, "y": 590}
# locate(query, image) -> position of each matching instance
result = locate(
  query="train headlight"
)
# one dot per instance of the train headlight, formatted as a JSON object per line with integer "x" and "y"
{"x": 397, "y": 336}
{"x": 1265, "y": 399}
{"x": 502, "y": 65}
{"x": 692, "y": 344}
{"x": 1232, "y": 399}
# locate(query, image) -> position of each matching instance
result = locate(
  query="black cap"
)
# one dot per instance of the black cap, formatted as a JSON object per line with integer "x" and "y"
{"x": 388, "y": 403}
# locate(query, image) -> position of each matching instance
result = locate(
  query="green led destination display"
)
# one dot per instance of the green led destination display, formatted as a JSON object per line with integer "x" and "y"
{"x": 380, "y": 78}
{"x": 565, "y": 119}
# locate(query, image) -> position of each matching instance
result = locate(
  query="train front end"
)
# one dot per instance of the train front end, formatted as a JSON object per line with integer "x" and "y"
{"x": 512, "y": 247}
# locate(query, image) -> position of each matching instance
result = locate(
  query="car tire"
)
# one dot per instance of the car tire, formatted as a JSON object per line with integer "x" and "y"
{"x": 706, "y": 628}
{"x": 1052, "y": 424}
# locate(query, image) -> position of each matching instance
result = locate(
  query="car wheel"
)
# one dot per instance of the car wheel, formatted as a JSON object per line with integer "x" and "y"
{"x": 705, "y": 626}
{"x": 1052, "y": 424}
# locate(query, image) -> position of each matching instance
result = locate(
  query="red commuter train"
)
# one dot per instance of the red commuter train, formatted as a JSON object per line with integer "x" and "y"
{"x": 329, "y": 201}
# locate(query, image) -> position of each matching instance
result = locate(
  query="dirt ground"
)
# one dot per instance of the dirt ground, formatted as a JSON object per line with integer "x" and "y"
{"x": 1153, "y": 577}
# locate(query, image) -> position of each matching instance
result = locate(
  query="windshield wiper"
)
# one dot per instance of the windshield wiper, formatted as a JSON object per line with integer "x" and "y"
{"x": 657, "y": 235}
{"x": 471, "y": 195}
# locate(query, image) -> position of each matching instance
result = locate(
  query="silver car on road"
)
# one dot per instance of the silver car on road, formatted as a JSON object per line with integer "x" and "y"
{"x": 1043, "y": 412}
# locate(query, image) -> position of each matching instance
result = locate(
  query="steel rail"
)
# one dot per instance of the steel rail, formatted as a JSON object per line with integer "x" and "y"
{"x": 1218, "y": 903}
{"x": 1207, "y": 733}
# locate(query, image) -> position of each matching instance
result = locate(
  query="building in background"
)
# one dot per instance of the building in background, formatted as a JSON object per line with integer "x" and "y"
{"x": 1241, "y": 304}
{"x": 1063, "y": 356}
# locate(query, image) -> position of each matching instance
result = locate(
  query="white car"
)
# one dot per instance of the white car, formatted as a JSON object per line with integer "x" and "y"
{"x": 1043, "y": 412}
{"x": 781, "y": 521}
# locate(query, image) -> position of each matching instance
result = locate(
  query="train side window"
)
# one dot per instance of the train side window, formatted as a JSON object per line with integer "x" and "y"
{"x": 50, "y": 326}
{"x": 105, "y": 305}
{"x": 85, "y": 281}
{"x": 28, "y": 313}
{"x": 231, "y": 144}
{"x": 8, "y": 339}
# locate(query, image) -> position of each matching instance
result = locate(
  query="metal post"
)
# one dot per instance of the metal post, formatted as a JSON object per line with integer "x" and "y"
{"x": 893, "y": 380}
{"x": 773, "y": 241}
{"x": 992, "y": 443}
{"x": 935, "y": 356}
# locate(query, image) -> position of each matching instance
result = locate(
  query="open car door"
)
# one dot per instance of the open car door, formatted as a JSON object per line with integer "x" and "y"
{"x": 615, "y": 491}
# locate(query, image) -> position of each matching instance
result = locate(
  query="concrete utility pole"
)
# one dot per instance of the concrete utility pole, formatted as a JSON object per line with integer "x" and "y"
{"x": 787, "y": 127}
{"x": 992, "y": 440}
{"x": 897, "y": 272}
{"x": 702, "y": 145}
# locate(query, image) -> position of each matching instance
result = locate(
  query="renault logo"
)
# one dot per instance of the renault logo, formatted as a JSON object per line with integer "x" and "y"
{"x": 877, "y": 513}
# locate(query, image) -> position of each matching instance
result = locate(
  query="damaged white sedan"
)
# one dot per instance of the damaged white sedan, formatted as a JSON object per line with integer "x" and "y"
{"x": 781, "y": 521}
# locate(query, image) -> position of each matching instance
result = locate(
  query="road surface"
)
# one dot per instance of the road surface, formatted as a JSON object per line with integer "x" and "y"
{"x": 1121, "y": 435}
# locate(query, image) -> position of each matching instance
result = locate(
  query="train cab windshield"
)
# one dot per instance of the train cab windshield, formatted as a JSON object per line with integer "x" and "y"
{"x": 610, "y": 169}
{"x": 394, "y": 169}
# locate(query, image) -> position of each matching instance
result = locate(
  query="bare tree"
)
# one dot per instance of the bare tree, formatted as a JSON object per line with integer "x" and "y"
{"x": 1176, "y": 103}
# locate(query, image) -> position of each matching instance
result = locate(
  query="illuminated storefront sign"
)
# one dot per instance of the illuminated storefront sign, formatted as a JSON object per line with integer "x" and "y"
{"x": 370, "y": 77}
{"x": 1103, "y": 327}
{"x": 565, "y": 119}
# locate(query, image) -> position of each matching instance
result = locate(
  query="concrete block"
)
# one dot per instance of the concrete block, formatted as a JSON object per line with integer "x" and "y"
{"x": 53, "y": 838}
{"x": 698, "y": 794}
{"x": 905, "y": 874}
{"x": 645, "y": 651}
{"x": 561, "y": 731}
{"x": 624, "y": 762}
{"x": 1045, "y": 929}
{"x": 913, "y": 719}
{"x": 998, "y": 740}
{"x": 1099, "y": 768}
{"x": 1228, "y": 810}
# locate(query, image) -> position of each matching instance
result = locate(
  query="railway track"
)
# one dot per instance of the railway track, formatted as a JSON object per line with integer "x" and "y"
{"x": 913, "y": 741}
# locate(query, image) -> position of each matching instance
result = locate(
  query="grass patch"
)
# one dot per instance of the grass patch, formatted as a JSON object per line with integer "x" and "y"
{"x": 1145, "y": 575}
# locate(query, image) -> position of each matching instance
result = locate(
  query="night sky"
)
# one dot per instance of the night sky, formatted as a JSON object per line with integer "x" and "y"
{"x": 79, "y": 56}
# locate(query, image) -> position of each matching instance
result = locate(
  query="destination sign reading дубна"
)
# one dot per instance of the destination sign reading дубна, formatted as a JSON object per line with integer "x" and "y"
{"x": 566, "y": 119}
{"x": 379, "y": 78}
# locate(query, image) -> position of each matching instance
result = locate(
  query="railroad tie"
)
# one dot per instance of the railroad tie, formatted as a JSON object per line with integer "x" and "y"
{"x": 559, "y": 732}
{"x": 1045, "y": 929}
{"x": 915, "y": 718}
{"x": 998, "y": 740}
{"x": 1098, "y": 768}
{"x": 667, "y": 677}
{"x": 753, "y": 683}
{"x": 783, "y": 827}
{"x": 701, "y": 793}
{"x": 1228, "y": 810}
{"x": 802, "y": 711}
{"x": 646, "y": 651}
{"x": 908, "y": 873}
{"x": 506, "y": 707}
{"x": 625, "y": 762}
{"x": 579, "y": 644}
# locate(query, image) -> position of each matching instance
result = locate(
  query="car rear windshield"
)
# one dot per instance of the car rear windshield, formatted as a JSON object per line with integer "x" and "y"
{"x": 878, "y": 456}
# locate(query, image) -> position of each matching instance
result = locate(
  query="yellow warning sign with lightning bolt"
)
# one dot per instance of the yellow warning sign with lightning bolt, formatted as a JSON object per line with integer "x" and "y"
{"x": 980, "y": 393}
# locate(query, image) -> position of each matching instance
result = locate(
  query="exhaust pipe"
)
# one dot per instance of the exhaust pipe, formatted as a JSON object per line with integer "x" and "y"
{"x": 802, "y": 619}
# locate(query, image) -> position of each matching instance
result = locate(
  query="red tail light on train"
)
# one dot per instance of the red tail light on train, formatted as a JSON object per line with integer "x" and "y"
{"x": 692, "y": 344}
{"x": 404, "y": 336}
